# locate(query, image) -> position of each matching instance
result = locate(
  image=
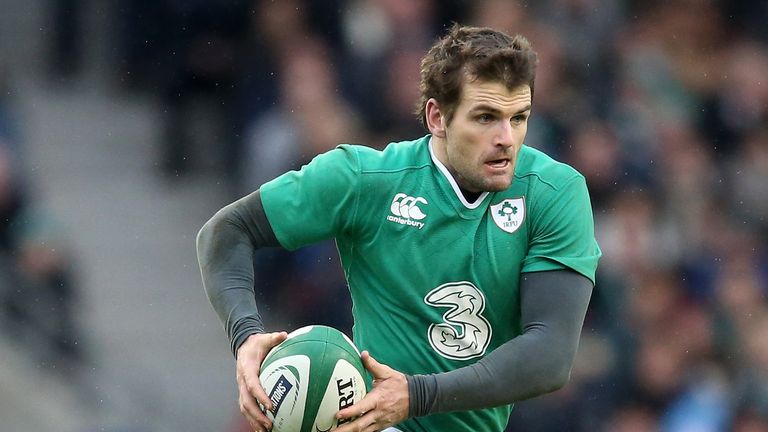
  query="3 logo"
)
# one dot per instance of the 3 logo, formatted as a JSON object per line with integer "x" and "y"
{"x": 464, "y": 333}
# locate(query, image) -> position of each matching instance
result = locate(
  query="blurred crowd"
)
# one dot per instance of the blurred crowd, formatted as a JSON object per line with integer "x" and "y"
{"x": 662, "y": 105}
{"x": 38, "y": 294}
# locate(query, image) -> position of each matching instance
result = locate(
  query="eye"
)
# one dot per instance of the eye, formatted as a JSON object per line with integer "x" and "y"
{"x": 520, "y": 118}
{"x": 485, "y": 118}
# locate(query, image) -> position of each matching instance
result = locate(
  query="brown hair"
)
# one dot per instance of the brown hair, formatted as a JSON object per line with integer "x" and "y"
{"x": 473, "y": 53}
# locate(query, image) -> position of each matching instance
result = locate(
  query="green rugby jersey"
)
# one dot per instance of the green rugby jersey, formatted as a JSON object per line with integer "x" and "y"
{"x": 434, "y": 279}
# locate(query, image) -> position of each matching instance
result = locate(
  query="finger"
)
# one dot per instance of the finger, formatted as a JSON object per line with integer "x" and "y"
{"x": 276, "y": 338}
{"x": 250, "y": 405}
{"x": 377, "y": 369}
{"x": 256, "y": 391}
{"x": 364, "y": 423}
{"x": 252, "y": 411}
{"x": 255, "y": 425}
{"x": 357, "y": 410}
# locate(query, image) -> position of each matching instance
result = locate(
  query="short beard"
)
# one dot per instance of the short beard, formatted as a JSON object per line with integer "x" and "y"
{"x": 480, "y": 184}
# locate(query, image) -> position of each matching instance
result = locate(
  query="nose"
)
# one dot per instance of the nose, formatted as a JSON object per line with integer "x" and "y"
{"x": 504, "y": 135}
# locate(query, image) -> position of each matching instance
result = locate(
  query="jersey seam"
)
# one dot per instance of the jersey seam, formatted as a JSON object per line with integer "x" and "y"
{"x": 353, "y": 245}
{"x": 547, "y": 182}
{"x": 386, "y": 171}
{"x": 358, "y": 187}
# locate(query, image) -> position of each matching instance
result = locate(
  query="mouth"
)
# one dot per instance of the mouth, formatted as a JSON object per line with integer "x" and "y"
{"x": 498, "y": 164}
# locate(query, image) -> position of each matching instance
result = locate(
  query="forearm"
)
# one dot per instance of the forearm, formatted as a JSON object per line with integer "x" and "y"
{"x": 513, "y": 372}
{"x": 534, "y": 363}
{"x": 225, "y": 249}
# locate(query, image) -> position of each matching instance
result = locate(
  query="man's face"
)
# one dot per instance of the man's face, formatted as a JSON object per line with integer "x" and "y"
{"x": 485, "y": 135}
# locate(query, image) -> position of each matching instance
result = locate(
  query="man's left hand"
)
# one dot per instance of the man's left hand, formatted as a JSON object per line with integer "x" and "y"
{"x": 386, "y": 405}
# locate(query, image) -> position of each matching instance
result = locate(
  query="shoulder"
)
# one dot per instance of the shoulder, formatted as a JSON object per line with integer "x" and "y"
{"x": 541, "y": 169}
{"x": 395, "y": 157}
{"x": 349, "y": 163}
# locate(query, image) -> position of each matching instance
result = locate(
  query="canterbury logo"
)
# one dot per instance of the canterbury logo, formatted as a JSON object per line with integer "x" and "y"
{"x": 406, "y": 211}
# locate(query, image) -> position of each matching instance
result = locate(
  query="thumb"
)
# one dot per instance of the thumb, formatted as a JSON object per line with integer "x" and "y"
{"x": 277, "y": 337}
{"x": 376, "y": 369}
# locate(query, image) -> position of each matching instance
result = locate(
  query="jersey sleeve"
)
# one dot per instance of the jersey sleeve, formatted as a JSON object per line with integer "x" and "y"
{"x": 563, "y": 233}
{"x": 315, "y": 203}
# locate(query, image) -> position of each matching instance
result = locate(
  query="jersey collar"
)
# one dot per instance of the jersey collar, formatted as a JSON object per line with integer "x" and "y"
{"x": 452, "y": 182}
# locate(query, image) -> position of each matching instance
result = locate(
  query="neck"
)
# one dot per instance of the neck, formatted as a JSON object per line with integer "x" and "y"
{"x": 471, "y": 197}
{"x": 438, "y": 147}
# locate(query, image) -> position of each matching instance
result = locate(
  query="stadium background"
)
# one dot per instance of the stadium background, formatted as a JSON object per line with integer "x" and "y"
{"x": 125, "y": 124}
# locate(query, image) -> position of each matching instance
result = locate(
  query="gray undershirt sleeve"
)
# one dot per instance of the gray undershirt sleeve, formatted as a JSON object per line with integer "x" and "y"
{"x": 553, "y": 307}
{"x": 225, "y": 247}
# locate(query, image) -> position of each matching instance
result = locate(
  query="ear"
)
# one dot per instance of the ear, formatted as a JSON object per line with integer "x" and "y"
{"x": 435, "y": 119}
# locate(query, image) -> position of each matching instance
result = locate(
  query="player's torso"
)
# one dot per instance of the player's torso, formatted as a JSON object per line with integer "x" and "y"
{"x": 434, "y": 280}
{"x": 423, "y": 252}
{"x": 427, "y": 258}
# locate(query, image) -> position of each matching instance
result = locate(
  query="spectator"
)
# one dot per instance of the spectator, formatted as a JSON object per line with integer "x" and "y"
{"x": 286, "y": 137}
{"x": 37, "y": 290}
{"x": 298, "y": 127}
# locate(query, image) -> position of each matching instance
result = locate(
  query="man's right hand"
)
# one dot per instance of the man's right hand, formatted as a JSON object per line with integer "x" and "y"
{"x": 250, "y": 355}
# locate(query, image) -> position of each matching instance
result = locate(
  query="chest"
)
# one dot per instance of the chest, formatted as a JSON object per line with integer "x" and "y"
{"x": 419, "y": 230}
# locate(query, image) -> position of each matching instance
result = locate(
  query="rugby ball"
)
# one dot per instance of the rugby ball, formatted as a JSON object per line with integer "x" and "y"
{"x": 309, "y": 377}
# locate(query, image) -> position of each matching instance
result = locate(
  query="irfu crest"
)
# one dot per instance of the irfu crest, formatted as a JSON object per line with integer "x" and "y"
{"x": 509, "y": 214}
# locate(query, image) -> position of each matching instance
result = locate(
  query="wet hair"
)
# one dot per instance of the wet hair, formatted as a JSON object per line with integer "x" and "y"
{"x": 467, "y": 54}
